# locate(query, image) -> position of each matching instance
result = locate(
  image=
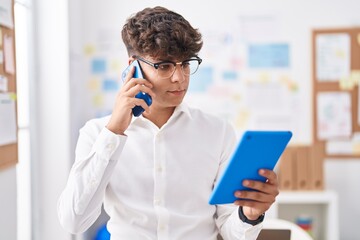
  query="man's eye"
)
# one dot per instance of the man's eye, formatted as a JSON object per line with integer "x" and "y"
{"x": 165, "y": 67}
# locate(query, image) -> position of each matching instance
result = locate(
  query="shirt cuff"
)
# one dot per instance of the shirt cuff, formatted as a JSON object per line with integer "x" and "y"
{"x": 249, "y": 229}
{"x": 109, "y": 145}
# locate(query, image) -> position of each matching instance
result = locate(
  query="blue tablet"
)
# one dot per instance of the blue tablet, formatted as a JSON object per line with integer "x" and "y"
{"x": 256, "y": 150}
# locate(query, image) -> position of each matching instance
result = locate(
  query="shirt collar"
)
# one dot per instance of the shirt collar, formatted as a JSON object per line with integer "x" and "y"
{"x": 183, "y": 107}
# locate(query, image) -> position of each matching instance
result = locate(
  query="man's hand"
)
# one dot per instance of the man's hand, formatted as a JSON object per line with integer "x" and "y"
{"x": 126, "y": 101}
{"x": 257, "y": 202}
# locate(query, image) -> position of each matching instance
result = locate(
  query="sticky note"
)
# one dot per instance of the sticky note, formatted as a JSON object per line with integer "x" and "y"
{"x": 202, "y": 79}
{"x": 89, "y": 49}
{"x": 110, "y": 85}
{"x": 98, "y": 66}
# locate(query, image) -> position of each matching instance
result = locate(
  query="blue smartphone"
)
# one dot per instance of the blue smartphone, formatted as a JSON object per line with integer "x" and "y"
{"x": 137, "y": 110}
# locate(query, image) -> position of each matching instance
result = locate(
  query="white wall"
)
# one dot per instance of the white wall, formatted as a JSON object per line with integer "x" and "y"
{"x": 343, "y": 176}
{"x": 50, "y": 140}
{"x": 8, "y": 203}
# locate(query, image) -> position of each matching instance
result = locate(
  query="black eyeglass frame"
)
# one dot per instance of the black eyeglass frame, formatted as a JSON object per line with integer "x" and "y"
{"x": 157, "y": 64}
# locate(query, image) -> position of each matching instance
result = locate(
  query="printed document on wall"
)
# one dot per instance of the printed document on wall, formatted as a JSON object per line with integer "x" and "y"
{"x": 334, "y": 115}
{"x": 333, "y": 56}
{"x": 7, "y": 119}
{"x": 9, "y": 57}
{"x": 6, "y": 13}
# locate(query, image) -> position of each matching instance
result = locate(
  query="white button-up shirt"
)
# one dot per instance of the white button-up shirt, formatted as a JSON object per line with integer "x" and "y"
{"x": 154, "y": 183}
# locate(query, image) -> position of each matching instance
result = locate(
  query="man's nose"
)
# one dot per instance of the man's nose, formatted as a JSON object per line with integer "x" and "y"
{"x": 178, "y": 75}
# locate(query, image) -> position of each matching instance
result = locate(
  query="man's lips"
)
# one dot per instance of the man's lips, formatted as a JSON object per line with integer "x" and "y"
{"x": 177, "y": 92}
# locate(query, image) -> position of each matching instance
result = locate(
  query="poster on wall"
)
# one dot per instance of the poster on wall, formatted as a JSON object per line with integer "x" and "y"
{"x": 6, "y": 18}
{"x": 334, "y": 115}
{"x": 7, "y": 119}
{"x": 332, "y": 56}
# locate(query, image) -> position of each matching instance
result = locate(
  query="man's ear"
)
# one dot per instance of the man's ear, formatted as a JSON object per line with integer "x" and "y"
{"x": 131, "y": 59}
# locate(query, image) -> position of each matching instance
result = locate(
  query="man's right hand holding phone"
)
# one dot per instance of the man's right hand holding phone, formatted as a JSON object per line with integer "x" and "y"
{"x": 126, "y": 101}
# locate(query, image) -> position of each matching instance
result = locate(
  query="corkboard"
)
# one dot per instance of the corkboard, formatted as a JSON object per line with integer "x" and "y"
{"x": 9, "y": 152}
{"x": 334, "y": 86}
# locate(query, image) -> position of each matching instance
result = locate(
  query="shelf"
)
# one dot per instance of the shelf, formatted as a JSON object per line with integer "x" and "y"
{"x": 322, "y": 206}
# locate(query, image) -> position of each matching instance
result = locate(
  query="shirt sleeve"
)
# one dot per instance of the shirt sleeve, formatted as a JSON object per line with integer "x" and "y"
{"x": 97, "y": 151}
{"x": 227, "y": 219}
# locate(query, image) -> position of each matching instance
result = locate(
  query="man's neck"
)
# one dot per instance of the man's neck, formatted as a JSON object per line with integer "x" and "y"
{"x": 159, "y": 116}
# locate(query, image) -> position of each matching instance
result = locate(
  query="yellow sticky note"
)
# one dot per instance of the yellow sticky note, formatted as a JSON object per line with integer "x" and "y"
{"x": 89, "y": 49}
{"x": 13, "y": 96}
{"x": 242, "y": 119}
{"x": 356, "y": 148}
{"x": 98, "y": 100}
{"x": 345, "y": 83}
{"x": 264, "y": 77}
{"x": 115, "y": 65}
{"x": 94, "y": 84}
{"x": 355, "y": 76}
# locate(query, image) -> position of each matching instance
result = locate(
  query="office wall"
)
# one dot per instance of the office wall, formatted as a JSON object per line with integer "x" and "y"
{"x": 95, "y": 33}
{"x": 8, "y": 203}
{"x": 50, "y": 112}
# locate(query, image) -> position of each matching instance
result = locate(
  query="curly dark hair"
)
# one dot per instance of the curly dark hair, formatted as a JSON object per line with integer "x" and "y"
{"x": 160, "y": 33}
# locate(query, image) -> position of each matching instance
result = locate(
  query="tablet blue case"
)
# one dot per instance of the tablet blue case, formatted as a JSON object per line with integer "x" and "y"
{"x": 256, "y": 150}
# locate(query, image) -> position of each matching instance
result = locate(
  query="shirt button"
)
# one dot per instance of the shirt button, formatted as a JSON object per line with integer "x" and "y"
{"x": 93, "y": 183}
{"x": 162, "y": 227}
{"x": 110, "y": 146}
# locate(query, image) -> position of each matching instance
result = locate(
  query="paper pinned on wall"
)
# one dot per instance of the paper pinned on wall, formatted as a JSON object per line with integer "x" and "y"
{"x": 9, "y": 57}
{"x": 334, "y": 115}
{"x": 344, "y": 147}
{"x": 339, "y": 147}
{"x": 333, "y": 56}
{"x": 7, "y": 119}
{"x": 3, "y": 84}
{"x": 1, "y": 38}
{"x": 6, "y": 18}
{"x": 269, "y": 55}
{"x": 1, "y": 57}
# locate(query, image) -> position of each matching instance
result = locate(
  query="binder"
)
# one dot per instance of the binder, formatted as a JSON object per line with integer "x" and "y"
{"x": 317, "y": 167}
{"x": 302, "y": 166}
{"x": 287, "y": 170}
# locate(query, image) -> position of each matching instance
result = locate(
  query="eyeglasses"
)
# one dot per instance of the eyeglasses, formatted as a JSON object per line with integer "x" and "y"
{"x": 166, "y": 69}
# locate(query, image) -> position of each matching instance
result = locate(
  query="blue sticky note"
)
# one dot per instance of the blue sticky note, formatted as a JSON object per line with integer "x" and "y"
{"x": 229, "y": 75}
{"x": 98, "y": 65}
{"x": 202, "y": 79}
{"x": 269, "y": 55}
{"x": 110, "y": 85}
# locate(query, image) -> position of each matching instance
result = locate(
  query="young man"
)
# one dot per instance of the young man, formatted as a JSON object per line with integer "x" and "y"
{"x": 155, "y": 173}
